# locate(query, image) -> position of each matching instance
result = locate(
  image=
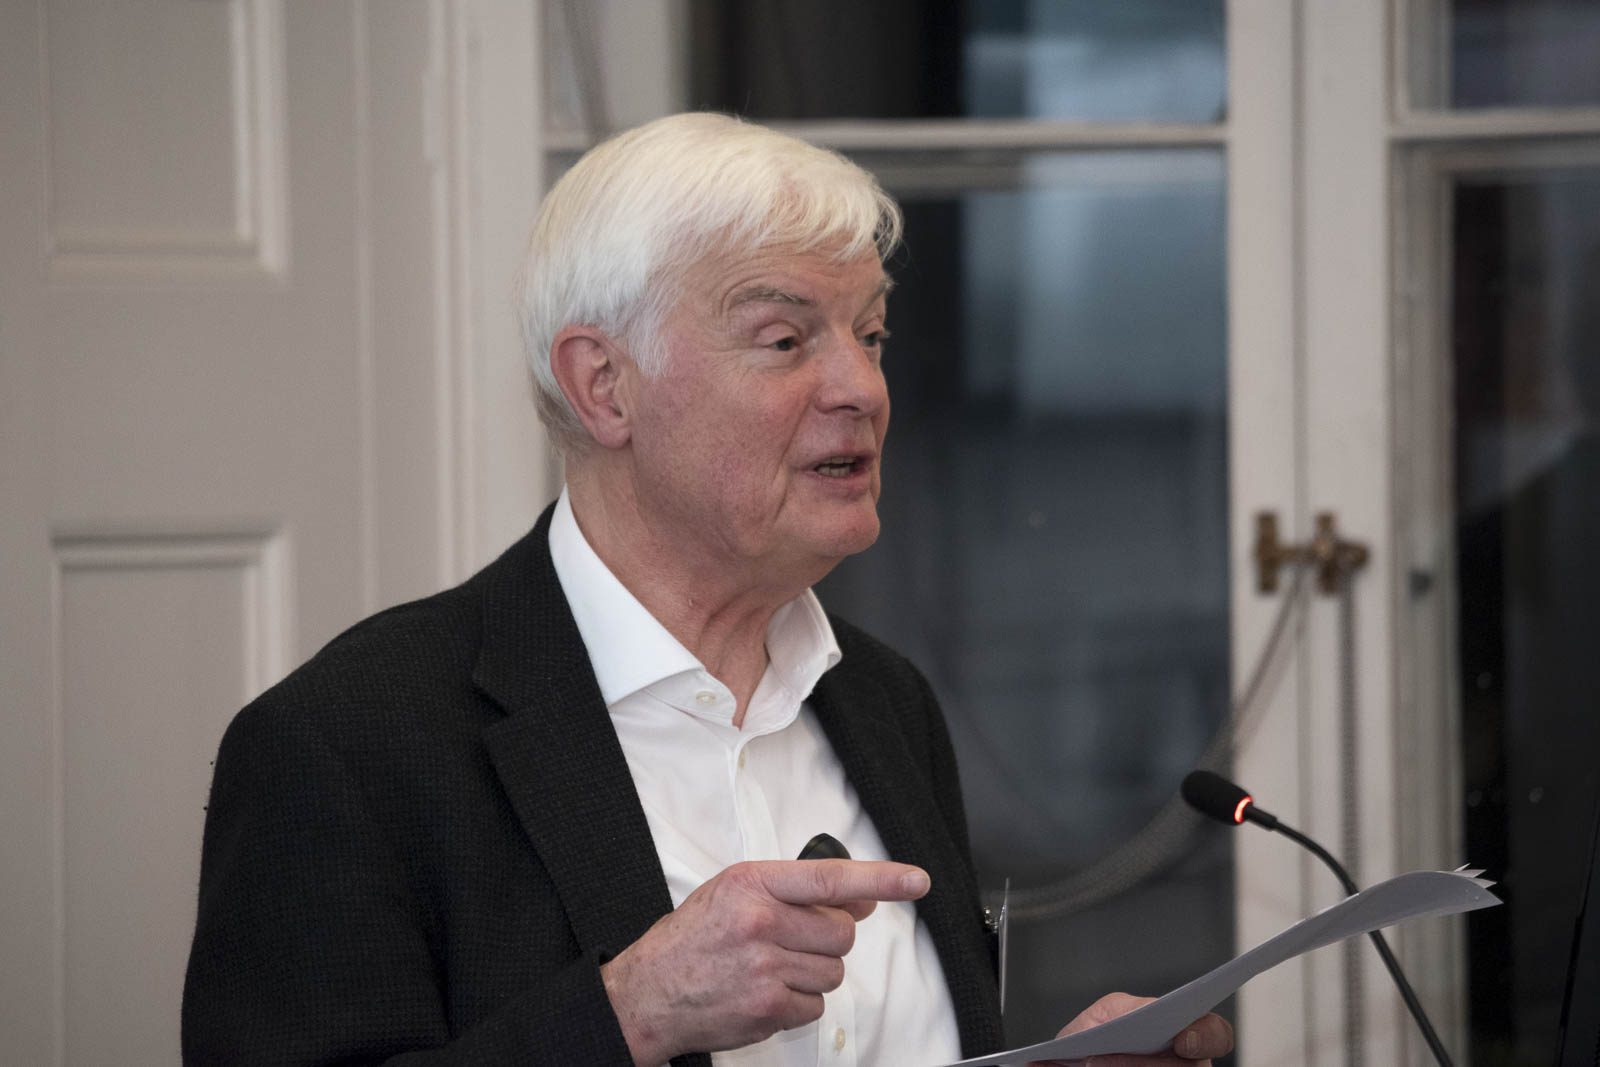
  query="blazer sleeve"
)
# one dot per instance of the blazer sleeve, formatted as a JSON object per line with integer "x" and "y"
{"x": 311, "y": 947}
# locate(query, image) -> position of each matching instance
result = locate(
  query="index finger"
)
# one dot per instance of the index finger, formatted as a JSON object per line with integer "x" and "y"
{"x": 837, "y": 882}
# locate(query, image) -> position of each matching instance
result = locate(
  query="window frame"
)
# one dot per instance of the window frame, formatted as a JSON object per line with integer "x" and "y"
{"x": 1336, "y": 285}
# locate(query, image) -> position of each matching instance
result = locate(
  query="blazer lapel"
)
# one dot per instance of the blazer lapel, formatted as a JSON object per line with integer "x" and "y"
{"x": 854, "y": 714}
{"x": 564, "y": 773}
{"x": 558, "y": 757}
{"x": 897, "y": 795}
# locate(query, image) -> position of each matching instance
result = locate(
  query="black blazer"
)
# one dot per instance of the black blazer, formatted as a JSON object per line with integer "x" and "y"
{"x": 423, "y": 843}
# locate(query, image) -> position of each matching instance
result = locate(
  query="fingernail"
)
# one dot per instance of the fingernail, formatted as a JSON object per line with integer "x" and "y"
{"x": 915, "y": 882}
{"x": 1188, "y": 1043}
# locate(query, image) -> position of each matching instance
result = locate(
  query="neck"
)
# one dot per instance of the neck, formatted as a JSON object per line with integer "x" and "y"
{"x": 715, "y": 608}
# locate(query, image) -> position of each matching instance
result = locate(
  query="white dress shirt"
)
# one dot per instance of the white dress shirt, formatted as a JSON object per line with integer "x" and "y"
{"x": 715, "y": 795}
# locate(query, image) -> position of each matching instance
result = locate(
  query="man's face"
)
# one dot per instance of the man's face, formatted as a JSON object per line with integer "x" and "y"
{"x": 758, "y": 443}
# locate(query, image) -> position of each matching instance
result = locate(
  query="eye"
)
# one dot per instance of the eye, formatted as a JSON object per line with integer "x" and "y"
{"x": 785, "y": 344}
{"x": 875, "y": 339}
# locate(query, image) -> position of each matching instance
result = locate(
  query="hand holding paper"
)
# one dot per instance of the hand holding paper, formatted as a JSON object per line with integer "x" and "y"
{"x": 1195, "y": 1045}
{"x": 1150, "y": 1029}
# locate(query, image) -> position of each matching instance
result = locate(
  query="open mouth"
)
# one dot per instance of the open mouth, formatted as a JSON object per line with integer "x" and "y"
{"x": 839, "y": 466}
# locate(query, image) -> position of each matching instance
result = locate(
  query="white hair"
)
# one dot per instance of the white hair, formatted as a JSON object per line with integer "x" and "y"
{"x": 638, "y": 210}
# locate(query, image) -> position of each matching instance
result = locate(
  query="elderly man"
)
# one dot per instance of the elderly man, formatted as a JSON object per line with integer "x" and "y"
{"x": 549, "y": 816}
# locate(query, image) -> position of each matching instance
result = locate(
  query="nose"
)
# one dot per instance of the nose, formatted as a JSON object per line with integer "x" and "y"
{"x": 852, "y": 379}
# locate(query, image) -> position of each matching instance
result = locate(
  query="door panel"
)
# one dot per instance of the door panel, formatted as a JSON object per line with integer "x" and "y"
{"x": 242, "y": 342}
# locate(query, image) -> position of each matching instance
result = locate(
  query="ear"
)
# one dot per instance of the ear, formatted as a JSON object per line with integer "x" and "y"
{"x": 590, "y": 369}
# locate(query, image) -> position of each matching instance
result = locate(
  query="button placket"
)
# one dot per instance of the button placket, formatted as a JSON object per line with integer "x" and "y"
{"x": 836, "y": 1035}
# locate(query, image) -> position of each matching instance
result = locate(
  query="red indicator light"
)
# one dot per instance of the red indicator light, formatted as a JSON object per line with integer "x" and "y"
{"x": 1238, "y": 812}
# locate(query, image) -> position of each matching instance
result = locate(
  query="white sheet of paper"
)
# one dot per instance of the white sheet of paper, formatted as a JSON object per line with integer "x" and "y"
{"x": 1151, "y": 1029}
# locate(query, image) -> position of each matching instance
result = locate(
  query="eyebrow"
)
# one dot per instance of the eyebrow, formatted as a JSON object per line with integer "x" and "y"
{"x": 768, "y": 294}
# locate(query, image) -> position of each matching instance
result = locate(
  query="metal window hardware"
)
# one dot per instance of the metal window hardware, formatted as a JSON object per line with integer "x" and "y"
{"x": 1332, "y": 557}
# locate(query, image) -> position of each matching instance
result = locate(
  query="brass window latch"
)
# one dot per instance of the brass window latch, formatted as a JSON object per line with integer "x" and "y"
{"x": 1332, "y": 557}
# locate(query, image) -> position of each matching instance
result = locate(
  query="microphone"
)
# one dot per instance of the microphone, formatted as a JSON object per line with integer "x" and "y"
{"x": 1214, "y": 796}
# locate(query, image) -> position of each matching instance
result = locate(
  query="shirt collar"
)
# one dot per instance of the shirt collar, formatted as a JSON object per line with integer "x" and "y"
{"x": 629, "y": 648}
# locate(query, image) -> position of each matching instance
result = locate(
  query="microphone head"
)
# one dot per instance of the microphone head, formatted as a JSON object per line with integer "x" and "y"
{"x": 1213, "y": 795}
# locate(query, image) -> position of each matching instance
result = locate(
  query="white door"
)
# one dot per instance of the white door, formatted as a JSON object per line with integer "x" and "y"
{"x": 252, "y": 325}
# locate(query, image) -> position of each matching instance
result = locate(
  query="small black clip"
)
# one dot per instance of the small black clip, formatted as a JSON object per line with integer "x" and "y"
{"x": 824, "y": 847}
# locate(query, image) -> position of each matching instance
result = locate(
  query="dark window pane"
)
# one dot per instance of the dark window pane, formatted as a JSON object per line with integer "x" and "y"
{"x": 1054, "y": 551}
{"x": 1049, "y": 59}
{"x": 1525, "y": 338}
{"x": 1524, "y": 53}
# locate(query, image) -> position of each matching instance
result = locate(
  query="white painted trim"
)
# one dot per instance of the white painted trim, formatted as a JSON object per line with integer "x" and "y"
{"x": 1419, "y": 55}
{"x": 1506, "y": 157}
{"x": 1110, "y": 172}
{"x": 446, "y": 137}
{"x": 1265, "y": 371}
{"x": 935, "y": 135}
{"x": 267, "y": 170}
{"x": 507, "y": 468}
{"x": 256, "y": 248}
{"x": 1499, "y": 124}
{"x": 366, "y": 307}
{"x": 1349, "y": 426}
{"x": 259, "y": 550}
{"x": 1427, "y": 723}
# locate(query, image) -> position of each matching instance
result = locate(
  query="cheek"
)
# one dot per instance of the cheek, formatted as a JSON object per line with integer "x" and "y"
{"x": 737, "y": 464}
{"x": 736, "y": 439}
{"x": 765, "y": 429}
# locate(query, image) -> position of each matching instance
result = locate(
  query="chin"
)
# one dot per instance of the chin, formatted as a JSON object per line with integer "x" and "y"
{"x": 858, "y": 537}
{"x": 826, "y": 535}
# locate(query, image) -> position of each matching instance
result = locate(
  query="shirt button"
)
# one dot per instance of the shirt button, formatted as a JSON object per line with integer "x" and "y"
{"x": 838, "y": 1039}
{"x": 706, "y": 696}
{"x": 741, "y": 758}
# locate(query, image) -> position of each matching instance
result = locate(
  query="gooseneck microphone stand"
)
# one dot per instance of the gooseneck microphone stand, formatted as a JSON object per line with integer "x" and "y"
{"x": 1214, "y": 796}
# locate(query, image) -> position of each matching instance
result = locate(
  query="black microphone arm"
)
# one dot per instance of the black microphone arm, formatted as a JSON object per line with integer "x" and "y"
{"x": 1214, "y": 796}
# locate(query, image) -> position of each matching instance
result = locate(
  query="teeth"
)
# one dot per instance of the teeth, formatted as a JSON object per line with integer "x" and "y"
{"x": 836, "y": 468}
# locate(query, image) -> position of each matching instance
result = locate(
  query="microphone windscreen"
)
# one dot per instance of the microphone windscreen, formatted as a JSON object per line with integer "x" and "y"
{"x": 1213, "y": 795}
